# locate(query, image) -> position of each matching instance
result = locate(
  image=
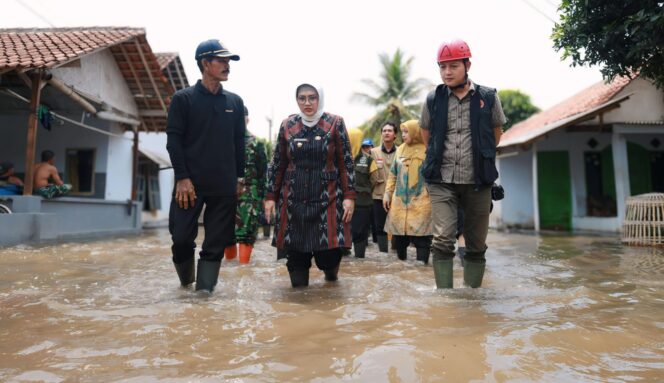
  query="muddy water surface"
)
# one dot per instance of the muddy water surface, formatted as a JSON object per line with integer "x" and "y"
{"x": 552, "y": 309}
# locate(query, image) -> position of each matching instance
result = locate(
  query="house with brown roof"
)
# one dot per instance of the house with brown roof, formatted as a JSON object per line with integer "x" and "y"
{"x": 572, "y": 166}
{"x": 85, "y": 94}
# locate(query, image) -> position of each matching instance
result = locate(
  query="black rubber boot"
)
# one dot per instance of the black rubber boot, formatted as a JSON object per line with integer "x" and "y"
{"x": 208, "y": 274}
{"x": 473, "y": 272}
{"x": 186, "y": 272}
{"x": 382, "y": 243}
{"x": 423, "y": 254}
{"x": 360, "y": 248}
{"x": 299, "y": 277}
{"x": 461, "y": 251}
{"x": 331, "y": 275}
{"x": 443, "y": 271}
{"x": 266, "y": 231}
{"x": 402, "y": 253}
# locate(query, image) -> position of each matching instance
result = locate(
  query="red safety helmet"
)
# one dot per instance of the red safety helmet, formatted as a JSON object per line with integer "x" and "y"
{"x": 453, "y": 50}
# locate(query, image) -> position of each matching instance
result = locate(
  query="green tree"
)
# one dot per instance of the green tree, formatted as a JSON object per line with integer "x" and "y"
{"x": 624, "y": 37}
{"x": 394, "y": 95}
{"x": 516, "y": 105}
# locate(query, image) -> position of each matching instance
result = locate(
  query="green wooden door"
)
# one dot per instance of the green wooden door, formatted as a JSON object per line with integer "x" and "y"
{"x": 638, "y": 161}
{"x": 554, "y": 190}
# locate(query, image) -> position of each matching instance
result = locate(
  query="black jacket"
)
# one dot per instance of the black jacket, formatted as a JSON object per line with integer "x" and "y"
{"x": 206, "y": 139}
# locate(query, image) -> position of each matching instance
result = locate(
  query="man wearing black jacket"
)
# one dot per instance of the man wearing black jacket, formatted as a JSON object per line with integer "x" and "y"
{"x": 206, "y": 145}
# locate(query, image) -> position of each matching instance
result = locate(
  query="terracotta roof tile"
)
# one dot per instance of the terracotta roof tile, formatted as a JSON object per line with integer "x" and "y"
{"x": 165, "y": 58}
{"x": 581, "y": 102}
{"x": 46, "y": 48}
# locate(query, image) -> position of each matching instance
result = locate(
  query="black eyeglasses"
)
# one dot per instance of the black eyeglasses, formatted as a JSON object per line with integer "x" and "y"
{"x": 304, "y": 99}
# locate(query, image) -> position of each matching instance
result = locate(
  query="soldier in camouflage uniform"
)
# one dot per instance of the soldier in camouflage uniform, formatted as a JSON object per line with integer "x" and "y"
{"x": 250, "y": 202}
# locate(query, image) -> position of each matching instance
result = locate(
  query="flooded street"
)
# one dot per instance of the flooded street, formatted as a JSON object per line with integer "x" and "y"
{"x": 552, "y": 309}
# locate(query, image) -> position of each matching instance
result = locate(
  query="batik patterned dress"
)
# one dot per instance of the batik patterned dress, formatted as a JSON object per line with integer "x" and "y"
{"x": 310, "y": 175}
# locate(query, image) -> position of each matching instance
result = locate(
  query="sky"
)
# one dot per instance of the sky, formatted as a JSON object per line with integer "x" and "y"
{"x": 334, "y": 44}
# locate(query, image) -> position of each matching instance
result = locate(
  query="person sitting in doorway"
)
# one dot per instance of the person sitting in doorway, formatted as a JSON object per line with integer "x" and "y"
{"x": 47, "y": 182}
{"x": 9, "y": 183}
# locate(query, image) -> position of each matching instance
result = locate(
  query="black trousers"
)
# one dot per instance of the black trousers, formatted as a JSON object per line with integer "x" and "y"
{"x": 402, "y": 241}
{"x": 380, "y": 215}
{"x": 360, "y": 223}
{"x": 325, "y": 259}
{"x": 218, "y": 221}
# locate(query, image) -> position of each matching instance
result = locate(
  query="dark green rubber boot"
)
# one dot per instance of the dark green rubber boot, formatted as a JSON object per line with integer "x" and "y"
{"x": 444, "y": 273}
{"x": 360, "y": 248}
{"x": 299, "y": 277}
{"x": 208, "y": 274}
{"x": 186, "y": 272}
{"x": 473, "y": 272}
{"x": 382, "y": 243}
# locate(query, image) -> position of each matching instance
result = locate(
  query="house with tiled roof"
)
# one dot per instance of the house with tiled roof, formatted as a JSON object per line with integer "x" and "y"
{"x": 86, "y": 94}
{"x": 572, "y": 166}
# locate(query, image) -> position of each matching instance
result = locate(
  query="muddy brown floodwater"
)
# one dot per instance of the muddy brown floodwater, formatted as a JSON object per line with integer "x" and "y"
{"x": 552, "y": 309}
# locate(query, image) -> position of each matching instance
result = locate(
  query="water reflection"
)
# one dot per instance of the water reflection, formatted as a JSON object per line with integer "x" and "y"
{"x": 554, "y": 308}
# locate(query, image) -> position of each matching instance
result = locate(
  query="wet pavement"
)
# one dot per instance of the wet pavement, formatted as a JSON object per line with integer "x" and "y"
{"x": 552, "y": 309}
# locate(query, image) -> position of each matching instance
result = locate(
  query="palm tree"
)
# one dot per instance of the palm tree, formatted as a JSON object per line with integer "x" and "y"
{"x": 393, "y": 95}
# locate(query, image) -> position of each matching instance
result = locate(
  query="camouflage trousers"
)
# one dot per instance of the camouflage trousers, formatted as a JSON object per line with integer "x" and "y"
{"x": 246, "y": 220}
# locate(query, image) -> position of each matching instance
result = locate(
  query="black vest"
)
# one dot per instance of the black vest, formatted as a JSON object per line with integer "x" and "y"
{"x": 481, "y": 131}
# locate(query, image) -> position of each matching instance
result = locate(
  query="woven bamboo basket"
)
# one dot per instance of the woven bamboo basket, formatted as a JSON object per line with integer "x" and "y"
{"x": 644, "y": 220}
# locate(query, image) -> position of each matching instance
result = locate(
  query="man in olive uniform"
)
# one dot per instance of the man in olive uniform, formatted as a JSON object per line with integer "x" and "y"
{"x": 250, "y": 202}
{"x": 362, "y": 218}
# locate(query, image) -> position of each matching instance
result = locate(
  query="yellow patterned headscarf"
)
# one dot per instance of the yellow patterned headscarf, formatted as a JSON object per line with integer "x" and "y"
{"x": 355, "y": 138}
{"x": 413, "y": 152}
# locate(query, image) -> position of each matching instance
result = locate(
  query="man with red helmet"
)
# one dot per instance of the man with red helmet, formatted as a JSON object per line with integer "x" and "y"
{"x": 461, "y": 125}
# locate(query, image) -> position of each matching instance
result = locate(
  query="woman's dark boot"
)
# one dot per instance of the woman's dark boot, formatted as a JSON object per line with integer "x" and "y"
{"x": 299, "y": 277}
{"x": 208, "y": 274}
{"x": 360, "y": 248}
{"x": 402, "y": 253}
{"x": 423, "y": 254}
{"x": 186, "y": 272}
{"x": 382, "y": 243}
{"x": 331, "y": 275}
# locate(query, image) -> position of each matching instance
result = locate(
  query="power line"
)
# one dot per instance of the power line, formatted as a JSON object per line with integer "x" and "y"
{"x": 34, "y": 12}
{"x": 538, "y": 10}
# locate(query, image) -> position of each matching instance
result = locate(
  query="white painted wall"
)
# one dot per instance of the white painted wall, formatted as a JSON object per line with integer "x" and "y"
{"x": 100, "y": 77}
{"x": 118, "y": 172}
{"x": 516, "y": 209}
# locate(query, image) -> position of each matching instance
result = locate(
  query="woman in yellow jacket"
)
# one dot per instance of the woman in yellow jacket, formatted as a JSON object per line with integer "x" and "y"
{"x": 406, "y": 197}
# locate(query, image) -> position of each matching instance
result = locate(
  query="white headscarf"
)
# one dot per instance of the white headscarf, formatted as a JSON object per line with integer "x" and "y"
{"x": 313, "y": 120}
